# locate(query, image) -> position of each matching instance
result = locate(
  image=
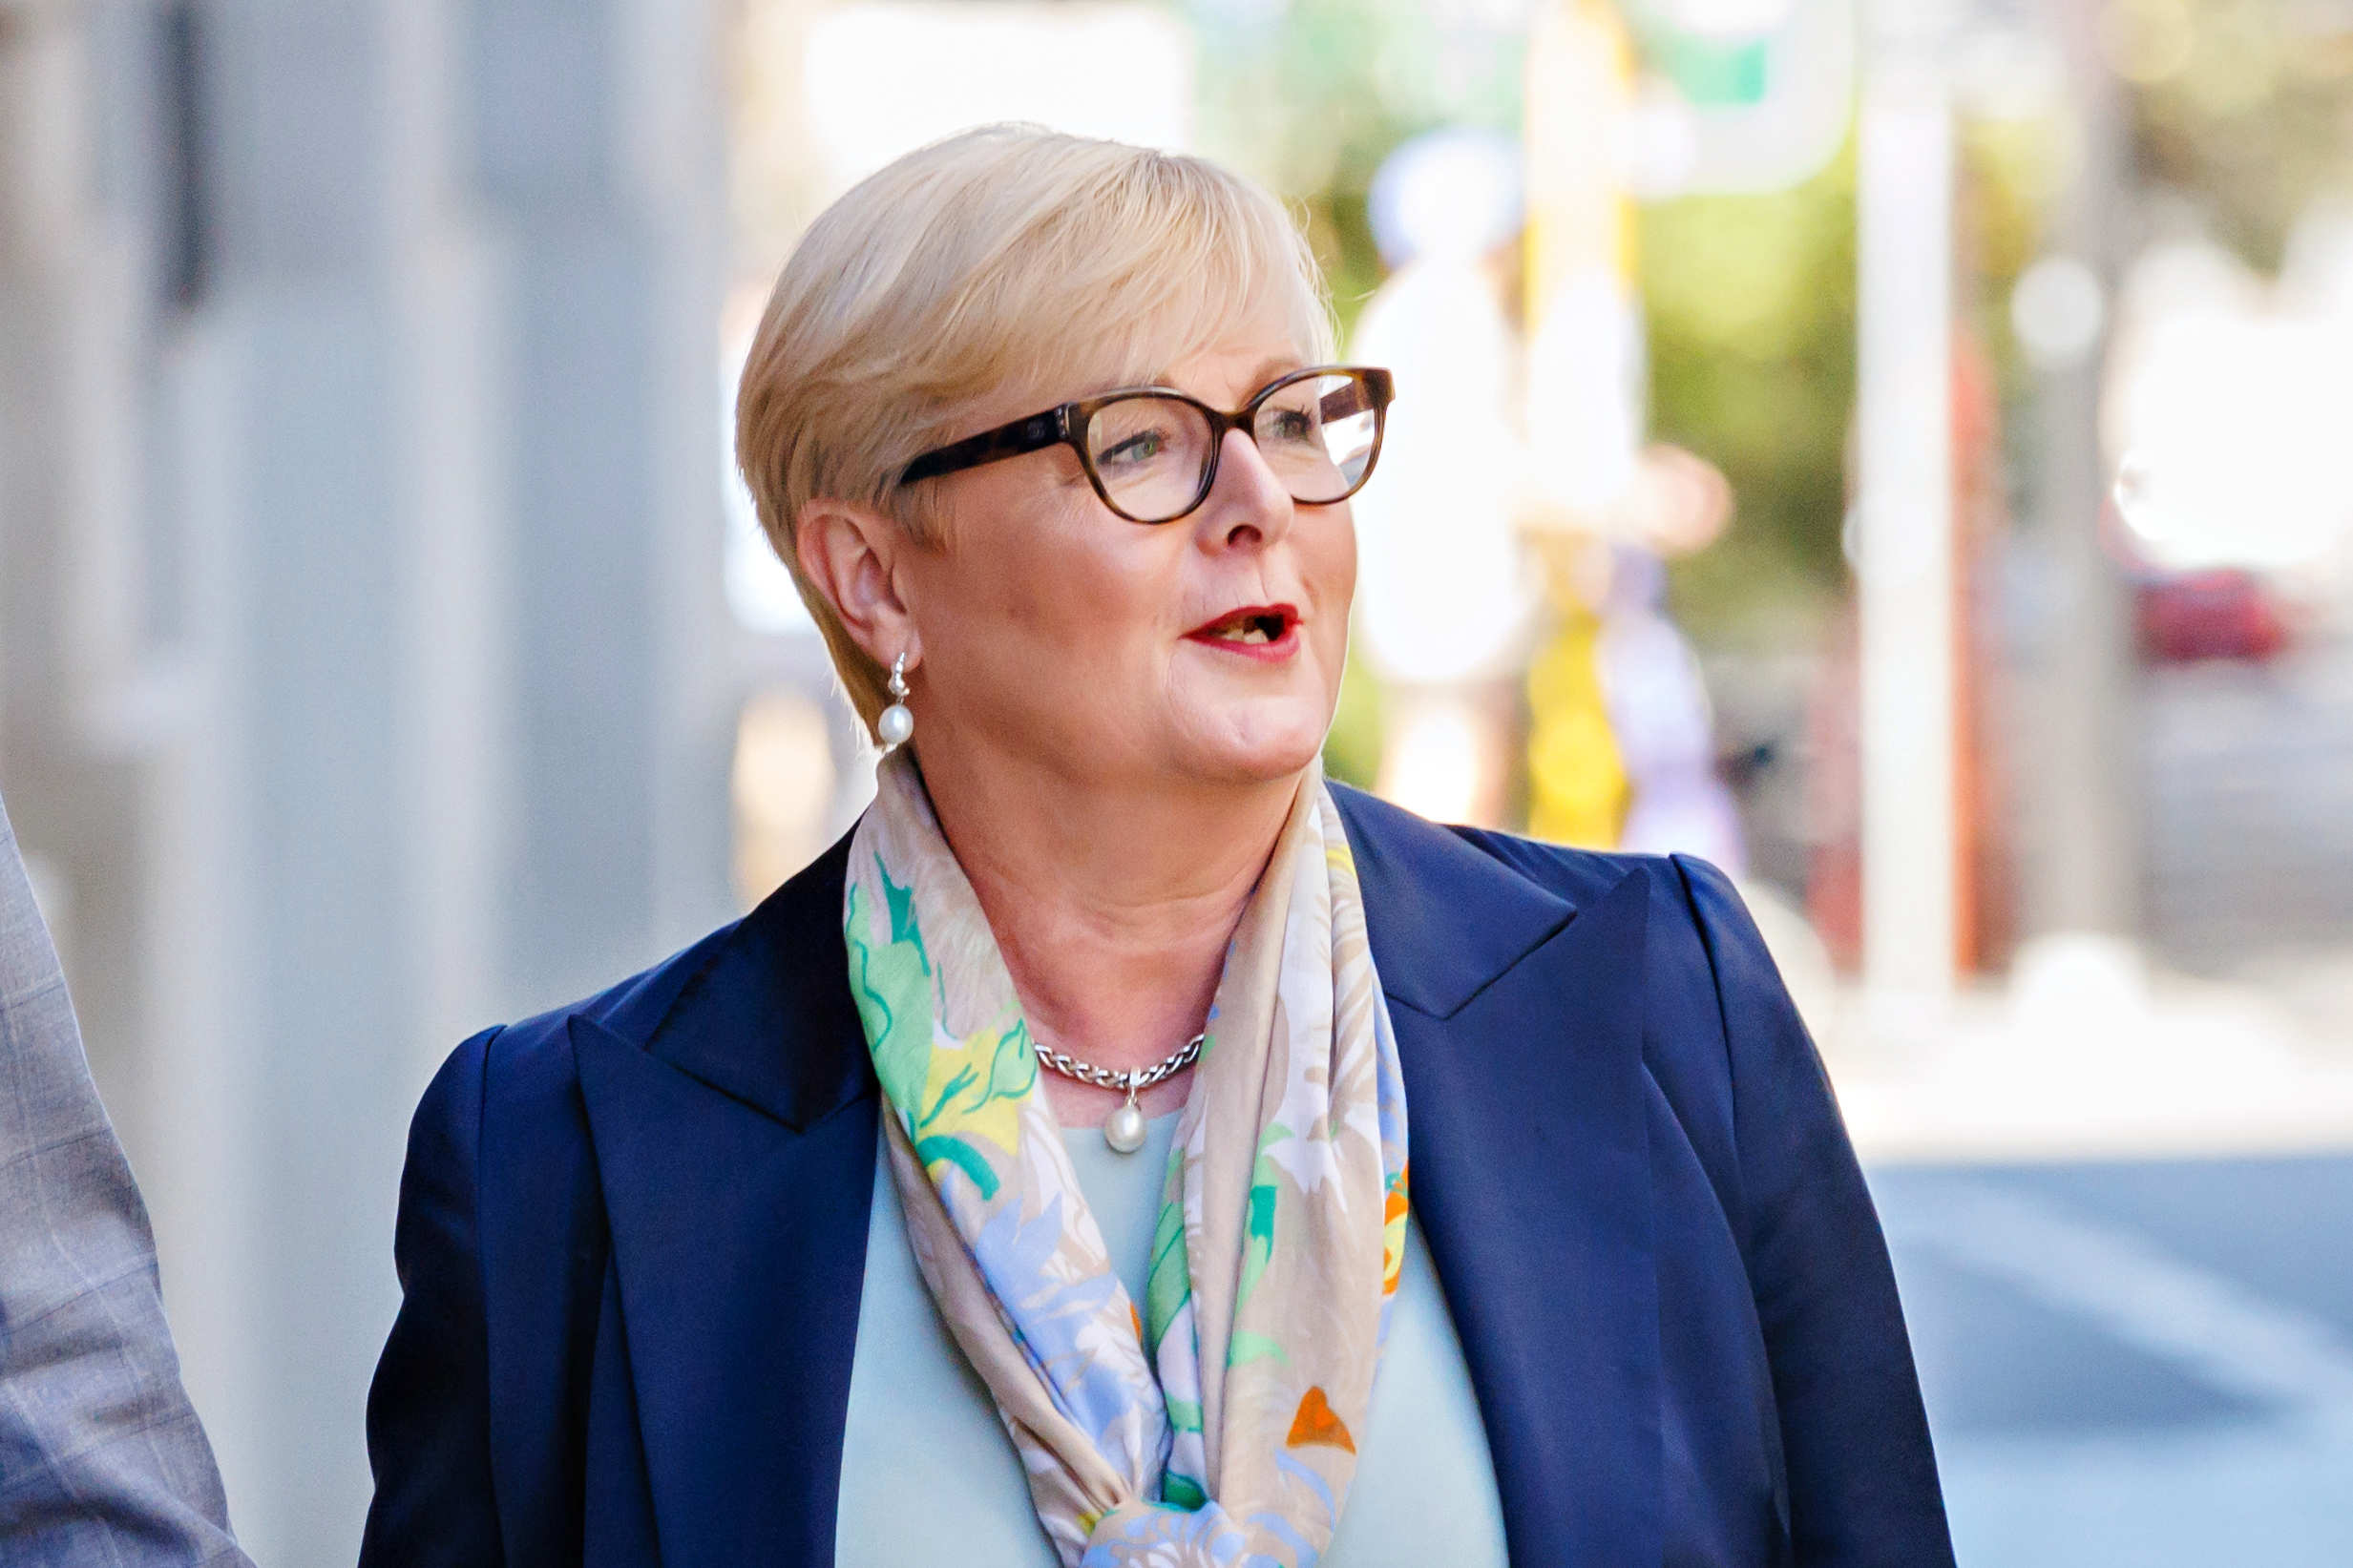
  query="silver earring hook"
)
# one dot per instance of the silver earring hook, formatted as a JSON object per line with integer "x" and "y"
{"x": 898, "y": 721}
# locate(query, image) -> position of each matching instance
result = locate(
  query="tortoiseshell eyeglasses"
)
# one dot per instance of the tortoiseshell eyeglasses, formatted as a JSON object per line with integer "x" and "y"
{"x": 1151, "y": 452}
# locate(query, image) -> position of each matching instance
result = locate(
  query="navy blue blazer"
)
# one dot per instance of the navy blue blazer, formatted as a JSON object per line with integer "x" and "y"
{"x": 632, "y": 1237}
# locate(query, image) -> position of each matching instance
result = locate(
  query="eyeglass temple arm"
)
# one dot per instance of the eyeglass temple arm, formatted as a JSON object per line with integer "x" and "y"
{"x": 1366, "y": 391}
{"x": 1023, "y": 435}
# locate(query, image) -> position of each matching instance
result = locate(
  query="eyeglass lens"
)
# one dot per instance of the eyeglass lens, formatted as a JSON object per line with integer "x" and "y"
{"x": 1317, "y": 434}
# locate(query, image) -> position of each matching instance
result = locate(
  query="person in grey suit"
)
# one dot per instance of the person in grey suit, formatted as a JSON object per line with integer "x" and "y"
{"x": 102, "y": 1459}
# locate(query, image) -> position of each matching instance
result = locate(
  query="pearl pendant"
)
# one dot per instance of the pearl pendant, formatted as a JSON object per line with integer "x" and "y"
{"x": 1124, "y": 1131}
{"x": 895, "y": 724}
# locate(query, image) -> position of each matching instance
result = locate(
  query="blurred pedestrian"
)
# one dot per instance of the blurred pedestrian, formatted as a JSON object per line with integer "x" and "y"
{"x": 1026, "y": 1180}
{"x": 102, "y": 1459}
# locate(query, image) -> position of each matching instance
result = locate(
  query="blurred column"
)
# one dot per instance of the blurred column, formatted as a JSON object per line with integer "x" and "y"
{"x": 1904, "y": 516}
{"x": 596, "y": 138}
{"x": 75, "y": 281}
{"x": 304, "y": 757}
{"x": 110, "y": 695}
{"x": 363, "y": 664}
{"x": 2080, "y": 866}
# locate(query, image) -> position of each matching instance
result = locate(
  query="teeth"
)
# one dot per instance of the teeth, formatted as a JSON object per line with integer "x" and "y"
{"x": 1257, "y": 629}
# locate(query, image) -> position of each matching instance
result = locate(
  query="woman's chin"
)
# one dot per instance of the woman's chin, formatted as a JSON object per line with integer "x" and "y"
{"x": 1260, "y": 740}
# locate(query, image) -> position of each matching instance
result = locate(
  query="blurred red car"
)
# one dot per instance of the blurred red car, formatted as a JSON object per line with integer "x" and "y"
{"x": 2201, "y": 615}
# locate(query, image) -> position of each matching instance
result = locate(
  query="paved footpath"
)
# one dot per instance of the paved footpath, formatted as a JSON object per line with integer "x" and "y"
{"x": 2144, "y": 1364}
{"x": 2247, "y": 838}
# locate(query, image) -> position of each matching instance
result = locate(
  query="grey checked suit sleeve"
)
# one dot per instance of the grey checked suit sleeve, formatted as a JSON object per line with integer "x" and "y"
{"x": 102, "y": 1461}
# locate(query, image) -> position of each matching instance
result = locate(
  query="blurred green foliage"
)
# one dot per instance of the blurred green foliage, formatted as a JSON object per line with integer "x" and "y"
{"x": 1312, "y": 96}
{"x": 1351, "y": 751}
{"x": 1750, "y": 305}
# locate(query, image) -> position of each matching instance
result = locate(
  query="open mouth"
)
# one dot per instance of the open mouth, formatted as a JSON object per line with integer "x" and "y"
{"x": 1258, "y": 629}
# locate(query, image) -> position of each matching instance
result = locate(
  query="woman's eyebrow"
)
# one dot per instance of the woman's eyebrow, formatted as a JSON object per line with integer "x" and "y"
{"x": 1268, "y": 370}
{"x": 1281, "y": 365}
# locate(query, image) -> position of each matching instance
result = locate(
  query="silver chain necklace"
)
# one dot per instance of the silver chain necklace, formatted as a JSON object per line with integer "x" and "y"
{"x": 1124, "y": 1131}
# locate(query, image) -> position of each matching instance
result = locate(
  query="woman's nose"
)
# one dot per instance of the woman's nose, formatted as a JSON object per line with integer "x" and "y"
{"x": 1247, "y": 504}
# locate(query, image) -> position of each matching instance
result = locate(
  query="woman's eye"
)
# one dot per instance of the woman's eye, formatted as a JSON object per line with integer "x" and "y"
{"x": 1291, "y": 425}
{"x": 1140, "y": 448}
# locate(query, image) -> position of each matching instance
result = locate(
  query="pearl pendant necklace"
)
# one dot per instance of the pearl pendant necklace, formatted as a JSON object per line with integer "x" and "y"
{"x": 1124, "y": 1131}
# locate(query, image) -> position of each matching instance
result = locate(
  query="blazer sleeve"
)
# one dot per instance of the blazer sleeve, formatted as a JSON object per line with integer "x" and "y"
{"x": 101, "y": 1456}
{"x": 1862, "y": 1477}
{"x": 429, "y": 1408}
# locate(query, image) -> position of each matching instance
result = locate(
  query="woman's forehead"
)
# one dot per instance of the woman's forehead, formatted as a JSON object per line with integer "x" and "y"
{"x": 1204, "y": 342}
{"x": 1212, "y": 360}
{"x": 1226, "y": 373}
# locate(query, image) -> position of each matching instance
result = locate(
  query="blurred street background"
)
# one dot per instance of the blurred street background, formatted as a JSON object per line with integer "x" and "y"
{"x": 1899, "y": 449}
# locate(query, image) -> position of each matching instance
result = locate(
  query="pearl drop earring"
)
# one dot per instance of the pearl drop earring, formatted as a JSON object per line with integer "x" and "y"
{"x": 898, "y": 721}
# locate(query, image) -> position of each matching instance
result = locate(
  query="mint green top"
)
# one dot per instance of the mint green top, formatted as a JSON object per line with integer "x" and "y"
{"x": 928, "y": 1475}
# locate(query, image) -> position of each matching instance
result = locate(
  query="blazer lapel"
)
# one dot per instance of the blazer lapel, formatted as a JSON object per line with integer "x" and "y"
{"x": 735, "y": 1150}
{"x": 1519, "y": 1023}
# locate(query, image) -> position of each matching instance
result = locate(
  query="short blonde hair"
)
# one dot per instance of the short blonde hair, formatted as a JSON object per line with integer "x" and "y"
{"x": 1008, "y": 256}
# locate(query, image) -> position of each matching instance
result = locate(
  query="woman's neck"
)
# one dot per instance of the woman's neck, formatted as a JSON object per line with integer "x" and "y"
{"x": 1113, "y": 907}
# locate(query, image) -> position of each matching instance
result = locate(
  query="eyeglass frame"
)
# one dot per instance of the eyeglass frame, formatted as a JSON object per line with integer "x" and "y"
{"x": 1066, "y": 425}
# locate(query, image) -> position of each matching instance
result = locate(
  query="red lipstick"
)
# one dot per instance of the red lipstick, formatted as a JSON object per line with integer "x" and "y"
{"x": 1268, "y": 633}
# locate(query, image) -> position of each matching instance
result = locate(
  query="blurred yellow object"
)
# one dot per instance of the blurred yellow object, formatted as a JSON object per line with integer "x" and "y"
{"x": 1584, "y": 406}
{"x": 1577, "y": 785}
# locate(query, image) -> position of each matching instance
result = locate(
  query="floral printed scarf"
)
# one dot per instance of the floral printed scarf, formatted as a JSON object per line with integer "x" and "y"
{"x": 1232, "y": 1439}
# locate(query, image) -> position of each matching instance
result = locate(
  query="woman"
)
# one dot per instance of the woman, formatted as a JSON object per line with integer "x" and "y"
{"x": 1027, "y": 1180}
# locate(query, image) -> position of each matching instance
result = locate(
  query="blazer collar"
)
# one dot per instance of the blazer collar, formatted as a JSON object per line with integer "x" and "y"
{"x": 1519, "y": 1023}
{"x": 762, "y": 1011}
{"x": 1444, "y": 918}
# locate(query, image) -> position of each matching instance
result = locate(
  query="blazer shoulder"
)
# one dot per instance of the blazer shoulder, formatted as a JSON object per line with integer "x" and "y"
{"x": 1692, "y": 893}
{"x": 631, "y": 1008}
{"x": 712, "y": 1008}
{"x": 1705, "y": 958}
{"x": 1577, "y": 875}
{"x": 527, "y": 1066}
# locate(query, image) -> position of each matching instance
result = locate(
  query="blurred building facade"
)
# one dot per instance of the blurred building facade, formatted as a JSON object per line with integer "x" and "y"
{"x": 364, "y": 669}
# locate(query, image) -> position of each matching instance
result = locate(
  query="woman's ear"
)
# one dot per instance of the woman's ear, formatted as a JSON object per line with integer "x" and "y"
{"x": 852, "y": 554}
